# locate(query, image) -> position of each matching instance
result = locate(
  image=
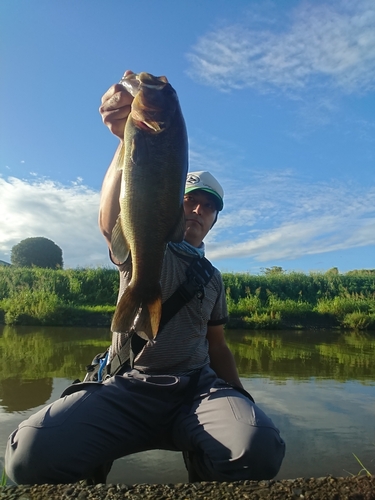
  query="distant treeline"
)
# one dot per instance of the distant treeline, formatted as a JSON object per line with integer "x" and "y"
{"x": 272, "y": 300}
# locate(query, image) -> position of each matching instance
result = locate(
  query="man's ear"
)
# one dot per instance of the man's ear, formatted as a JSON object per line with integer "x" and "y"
{"x": 214, "y": 222}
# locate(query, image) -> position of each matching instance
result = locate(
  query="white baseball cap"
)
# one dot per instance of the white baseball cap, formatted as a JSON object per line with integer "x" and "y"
{"x": 206, "y": 182}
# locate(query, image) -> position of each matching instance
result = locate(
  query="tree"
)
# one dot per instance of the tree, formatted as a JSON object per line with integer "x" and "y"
{"x": 274, "y": 270}
{"x": 334, "y": 271}
{"x": 39, "y": 251}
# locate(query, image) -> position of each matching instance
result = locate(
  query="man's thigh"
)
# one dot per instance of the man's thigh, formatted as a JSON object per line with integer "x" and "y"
{"x": 95, "y": 424}
{"x": 231, "y": 437}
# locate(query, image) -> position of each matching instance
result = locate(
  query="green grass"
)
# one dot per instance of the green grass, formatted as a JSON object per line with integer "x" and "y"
{"x": 366, "y": 471}
{"x": 275, "y": 299}
{"x": 297, "y": 300}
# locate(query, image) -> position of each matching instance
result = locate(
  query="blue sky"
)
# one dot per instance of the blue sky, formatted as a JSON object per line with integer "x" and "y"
{"x": 279, "y": 101}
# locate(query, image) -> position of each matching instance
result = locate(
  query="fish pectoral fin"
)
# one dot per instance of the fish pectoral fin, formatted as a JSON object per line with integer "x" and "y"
{"x": 134, "y": 152}
{"x": 126, "y": 311}
{"x": 120, "y": 161}
{"x": 138, "y": 149}
{"x": 178, "y": 232}
{"x": 150, "y": 316}
{"x": 119, "y": 244}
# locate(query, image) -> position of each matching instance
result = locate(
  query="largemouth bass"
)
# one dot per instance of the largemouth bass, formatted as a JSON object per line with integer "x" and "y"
{"x": 154, "y": 163}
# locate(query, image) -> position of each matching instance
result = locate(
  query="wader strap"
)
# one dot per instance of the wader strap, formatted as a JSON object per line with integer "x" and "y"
{"x": 198, "y": 274}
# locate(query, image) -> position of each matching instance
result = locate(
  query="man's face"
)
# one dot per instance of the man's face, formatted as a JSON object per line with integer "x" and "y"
{"x": 200, "y": 212}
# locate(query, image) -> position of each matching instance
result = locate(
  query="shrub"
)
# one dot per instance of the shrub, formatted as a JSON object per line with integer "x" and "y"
{"x": 39, "y": 252}
{"x": 32, "y": 307}
{"x": 341, "y": 306}
{"x": 263, "y": 321}
{"x": 358, "y": 321}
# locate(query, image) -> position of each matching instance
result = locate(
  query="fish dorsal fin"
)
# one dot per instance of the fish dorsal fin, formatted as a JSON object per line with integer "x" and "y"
{"x": 119, "y": 244}
{"x": 178, "y": 232}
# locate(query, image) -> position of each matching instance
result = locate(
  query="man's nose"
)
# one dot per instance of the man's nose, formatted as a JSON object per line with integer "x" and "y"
{"x": 197, "y": 208}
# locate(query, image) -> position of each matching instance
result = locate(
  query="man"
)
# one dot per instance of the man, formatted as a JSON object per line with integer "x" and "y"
{"x": 182, "y": 392}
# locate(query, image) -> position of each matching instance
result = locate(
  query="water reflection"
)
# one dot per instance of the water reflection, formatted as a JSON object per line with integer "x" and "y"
{"x": 302, "y": 355}
{"x": 17, "y": 394}
{"x": 318, "y": 387}
{"x": 32, "y": 353}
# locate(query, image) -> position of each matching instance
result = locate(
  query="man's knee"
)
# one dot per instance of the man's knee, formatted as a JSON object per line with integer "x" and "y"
{"x": 31, "y": 459}
{"x": 257, "y": 457}
{"x": 265, "y": 453}
{"x": 18, "y": 464}
{"x": 257, "y": 449}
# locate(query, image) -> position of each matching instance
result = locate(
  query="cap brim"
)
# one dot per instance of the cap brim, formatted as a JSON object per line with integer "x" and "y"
{"x": 218, "y": 199}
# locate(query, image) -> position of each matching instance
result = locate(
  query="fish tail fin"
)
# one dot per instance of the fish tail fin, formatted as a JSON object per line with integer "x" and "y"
{"x": 126, "y": 311}
{"x": 150, "y": 314}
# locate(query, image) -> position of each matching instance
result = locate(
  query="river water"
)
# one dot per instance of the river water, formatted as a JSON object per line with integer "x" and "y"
{"x": 318, "y": 388}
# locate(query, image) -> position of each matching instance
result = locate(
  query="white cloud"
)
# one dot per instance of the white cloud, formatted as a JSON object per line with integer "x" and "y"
{"x": 278, "y": 216}
{"x": 268, "y": 216}
{"x": 323, "y": 44}
{"x": 65, "y": 214}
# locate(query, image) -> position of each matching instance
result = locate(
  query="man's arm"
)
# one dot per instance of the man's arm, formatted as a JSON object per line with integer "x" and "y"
{"x": 109, "y": 207}
{"x": 114, "y": 110}
{"x": 222, "y": 360}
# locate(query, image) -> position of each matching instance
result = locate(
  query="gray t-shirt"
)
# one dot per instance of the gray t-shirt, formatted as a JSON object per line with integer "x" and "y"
{"x": 181, "y": 347}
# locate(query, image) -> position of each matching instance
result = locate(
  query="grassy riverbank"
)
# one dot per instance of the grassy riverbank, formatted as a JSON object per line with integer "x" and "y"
{"x": 268, "y": 301}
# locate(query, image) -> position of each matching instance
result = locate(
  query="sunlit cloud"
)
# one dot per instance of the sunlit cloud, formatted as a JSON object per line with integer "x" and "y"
{"x": 279, "y": 216}
{"x": 268, "y": 216}
{"x": 330, "y": 44}
{"x": 65, "y": 214}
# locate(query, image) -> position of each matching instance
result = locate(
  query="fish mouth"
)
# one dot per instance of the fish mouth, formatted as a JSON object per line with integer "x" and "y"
{"x": 133, "y": 82}
{"x": 154, "y": 102}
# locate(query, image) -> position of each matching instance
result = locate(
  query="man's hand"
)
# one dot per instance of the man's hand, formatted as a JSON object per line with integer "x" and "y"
{"x": 115, "y": 108}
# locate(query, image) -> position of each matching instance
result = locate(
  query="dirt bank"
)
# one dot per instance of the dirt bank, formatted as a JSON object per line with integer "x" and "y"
{"x": 324, "y": 488}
